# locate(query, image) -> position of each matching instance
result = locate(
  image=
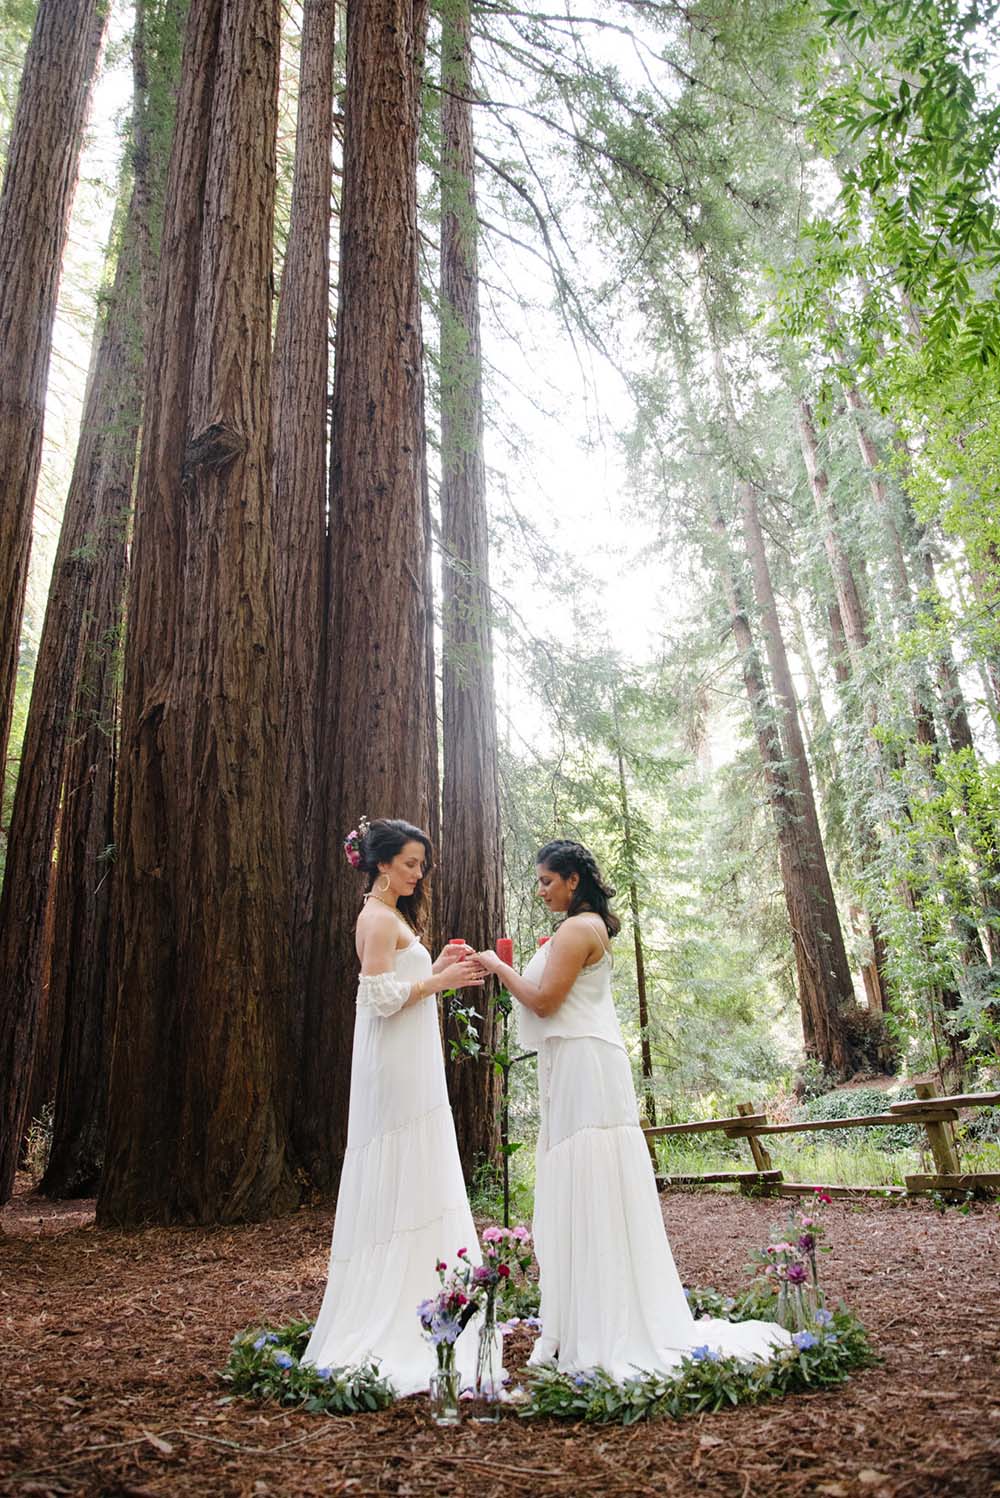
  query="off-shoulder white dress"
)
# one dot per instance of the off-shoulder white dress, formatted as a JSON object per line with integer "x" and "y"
{"x": 402, "y": 1204}
{"x": 611, "y": 1296}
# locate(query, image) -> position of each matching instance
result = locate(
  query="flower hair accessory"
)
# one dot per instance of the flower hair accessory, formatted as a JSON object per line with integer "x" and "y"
{"x": 353, "y": 841}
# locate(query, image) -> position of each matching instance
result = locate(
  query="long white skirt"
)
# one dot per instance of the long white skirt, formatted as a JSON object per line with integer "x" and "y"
{"x": 402, "y": 1204}
{"x": 611, "y": 1296}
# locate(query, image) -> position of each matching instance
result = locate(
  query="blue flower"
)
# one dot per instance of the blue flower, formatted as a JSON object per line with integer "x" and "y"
{"x": 704, "y": 1354}
{"x": 532, "y": 1321}
{"x": 283, "y": 1359}
{"x": 581, "y": 1380}
{"x": 823, "y": 1317}
{"x": 804, "y": 1340}
{"x": 322, "y": 1372}
{"x": 259, "y": 1343}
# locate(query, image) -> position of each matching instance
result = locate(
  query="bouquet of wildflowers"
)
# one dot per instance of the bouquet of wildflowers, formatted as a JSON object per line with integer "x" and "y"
{"x": 506, "y": 1253}
{"x": 788, "y": 1267}
{"x": 445, "y": 1316}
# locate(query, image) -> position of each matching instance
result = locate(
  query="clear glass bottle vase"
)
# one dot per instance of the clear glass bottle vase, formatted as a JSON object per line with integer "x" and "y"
{"x": 444, "y": 1387}
{"x": 487, "y": 1394}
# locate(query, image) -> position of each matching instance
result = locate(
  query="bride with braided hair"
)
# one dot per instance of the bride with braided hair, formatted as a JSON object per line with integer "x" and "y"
{"x": 611, "y": 1294}
{"x": 402, "y": 1204}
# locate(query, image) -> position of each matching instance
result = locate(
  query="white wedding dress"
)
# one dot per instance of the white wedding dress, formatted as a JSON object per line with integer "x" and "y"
{"x": 402, "y": 1204}
{"x": 611, "y": 1296}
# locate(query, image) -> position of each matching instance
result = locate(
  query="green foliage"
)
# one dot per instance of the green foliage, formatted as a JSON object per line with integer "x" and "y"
{"x": 265, "y": 1363}
{"x": 858, "y": 1103}
{"x": 703, "y": 1383}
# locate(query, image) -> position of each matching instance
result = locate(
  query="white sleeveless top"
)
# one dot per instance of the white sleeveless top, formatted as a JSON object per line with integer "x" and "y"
{"x": 588, "y": 1008}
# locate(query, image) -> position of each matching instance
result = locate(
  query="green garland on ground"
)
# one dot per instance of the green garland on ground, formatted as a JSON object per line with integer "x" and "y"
{"x": 822, "y": 1358}
{"x": 265, "y": 1363}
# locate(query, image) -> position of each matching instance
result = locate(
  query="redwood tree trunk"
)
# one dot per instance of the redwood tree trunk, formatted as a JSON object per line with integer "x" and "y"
{"x": 377, "y": 727}
{"x": 820, "y": 1000}
{"x": 645, "y": 1049}
{"x": 471, "y": 880}
{"x": 80, "y": 974}
{"x": 299, "y": 413}
{"x": 37, "y": 192}
{"x": 96, "y": 506}
{"x": 803, "y": 806}
{"x": 197, "y": 1123}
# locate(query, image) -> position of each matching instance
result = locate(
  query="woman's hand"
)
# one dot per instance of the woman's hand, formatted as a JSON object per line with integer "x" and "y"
{"x": 455, "y": 951}
{"x": 465, "y": 974}
{"x": 489, "y": 960}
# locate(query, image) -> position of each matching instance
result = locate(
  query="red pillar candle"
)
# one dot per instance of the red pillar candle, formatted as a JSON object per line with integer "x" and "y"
{"x": 505, "y": 949}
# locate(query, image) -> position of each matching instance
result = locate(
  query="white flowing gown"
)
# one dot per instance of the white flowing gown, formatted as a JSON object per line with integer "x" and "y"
{"x": 402, "y": 1203}
{"x": 611, "y": 1296}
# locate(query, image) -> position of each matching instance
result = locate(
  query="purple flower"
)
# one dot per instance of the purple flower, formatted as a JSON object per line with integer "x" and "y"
{"x": 804, "y": 1340}
{"x": 797, "y": 1274}
{"x": 261, "y": 1340}
{"x": 323, "y": 1372}
{"x": 807, "y": 1243}
{"x": 823, "y": 1317}
{"x": 283, "y": 1359}
{"x": 482, "y": 1274}
{"x": 534, "y": 1322}
{"x": 704, "y": 1354}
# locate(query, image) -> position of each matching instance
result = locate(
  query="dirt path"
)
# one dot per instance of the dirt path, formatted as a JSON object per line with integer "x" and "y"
{"x": 110, "y": 1344}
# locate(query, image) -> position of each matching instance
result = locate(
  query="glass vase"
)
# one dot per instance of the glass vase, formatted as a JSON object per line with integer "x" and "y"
{"x": 444, "y": 1387}
{"x": 791, "y": 1312}
{"x": 486, "y": 1396}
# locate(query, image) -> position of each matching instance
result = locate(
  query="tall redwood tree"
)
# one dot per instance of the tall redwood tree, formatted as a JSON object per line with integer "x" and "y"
{"x": 470, "y": 885}
{"x": 377, "y": 730}
{"x": 197, "y": 1122}
{"x": 35, "y": 200}
{"x": 299, "y": 420}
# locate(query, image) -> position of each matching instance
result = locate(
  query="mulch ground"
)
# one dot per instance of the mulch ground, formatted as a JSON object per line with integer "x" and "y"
{"x": 110, "y": 1343}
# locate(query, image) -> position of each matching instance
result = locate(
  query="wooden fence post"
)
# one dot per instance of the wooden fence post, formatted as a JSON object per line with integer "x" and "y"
{"x": 940, "y": 1134}
{"x": 761, "y": 1156}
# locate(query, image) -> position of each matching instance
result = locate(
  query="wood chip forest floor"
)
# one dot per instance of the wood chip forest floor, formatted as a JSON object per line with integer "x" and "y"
{"x": 110, "y": 1344}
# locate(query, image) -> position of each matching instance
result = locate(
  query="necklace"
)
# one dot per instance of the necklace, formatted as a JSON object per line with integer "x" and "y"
{"x": 371, "y": 895}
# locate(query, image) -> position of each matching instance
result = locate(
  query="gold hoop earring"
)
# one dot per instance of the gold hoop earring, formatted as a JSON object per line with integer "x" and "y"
{"x": 381, "y": 888}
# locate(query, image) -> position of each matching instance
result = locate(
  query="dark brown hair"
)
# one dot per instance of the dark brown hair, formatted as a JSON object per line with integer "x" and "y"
{"x": 592, "y": 893}
{"x": 386, "y": 837}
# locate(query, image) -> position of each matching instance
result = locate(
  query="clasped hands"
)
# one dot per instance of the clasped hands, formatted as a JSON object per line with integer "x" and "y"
{"x": 460, "y": 966}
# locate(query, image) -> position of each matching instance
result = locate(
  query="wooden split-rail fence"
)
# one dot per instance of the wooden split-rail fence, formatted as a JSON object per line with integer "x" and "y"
{"x": 937, "y": 1114}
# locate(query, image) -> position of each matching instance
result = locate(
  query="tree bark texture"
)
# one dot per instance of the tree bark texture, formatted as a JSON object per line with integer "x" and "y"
{"x": 299, "y": 415}
{"x": 830, "y": 951}
{"x": 824, "y": 1031}
{"x": 94, "y": 521}
{"x": 81, "y": 972}
{"x": 35, "y": 202}
{"x": 196, "y": 1122}
{"x": 470, "y": 885}
{"x": 377, "y": 729}
{"x": 645, "y": 1049}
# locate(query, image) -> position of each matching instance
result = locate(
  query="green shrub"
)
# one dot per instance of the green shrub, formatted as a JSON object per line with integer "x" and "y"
{"x": 859, "y": 1102}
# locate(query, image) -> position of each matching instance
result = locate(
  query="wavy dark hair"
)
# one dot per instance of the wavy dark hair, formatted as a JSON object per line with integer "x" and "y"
{"x": 565, "y": 857}
{"x": 386, "y": 837}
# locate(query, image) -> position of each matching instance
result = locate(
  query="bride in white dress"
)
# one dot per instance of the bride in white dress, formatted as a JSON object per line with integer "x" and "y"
{"x": 611, "y": 1296}
{"x": 402, "y": 1204}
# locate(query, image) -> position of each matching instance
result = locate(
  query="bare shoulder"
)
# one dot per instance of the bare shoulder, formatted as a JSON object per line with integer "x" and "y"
{"x": 584, "y": 933}
{"x": 575, "y": 934}
{"x": 376, "y": 925}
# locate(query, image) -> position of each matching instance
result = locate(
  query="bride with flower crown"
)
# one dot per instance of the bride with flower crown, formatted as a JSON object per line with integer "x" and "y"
{"x": 402, "y": 1205}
